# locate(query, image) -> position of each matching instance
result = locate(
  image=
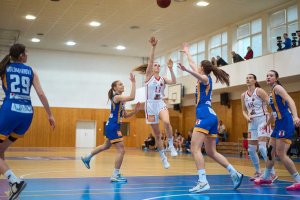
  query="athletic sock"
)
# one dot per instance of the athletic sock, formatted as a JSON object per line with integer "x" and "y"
{"x": 231, "y": 169}
{"x": 202, "y": 175}
{"x": 12, "y": 178}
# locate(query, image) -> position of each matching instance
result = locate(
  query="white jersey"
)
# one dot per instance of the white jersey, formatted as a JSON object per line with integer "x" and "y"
{"x": 254, "y": 104}
{"x": 155, "y": 88}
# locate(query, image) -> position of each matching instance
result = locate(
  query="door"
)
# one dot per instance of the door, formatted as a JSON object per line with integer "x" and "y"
{"x": 86, "y": 134}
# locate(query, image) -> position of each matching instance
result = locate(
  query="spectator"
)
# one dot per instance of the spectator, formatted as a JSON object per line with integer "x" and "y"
{"x": 236, "y": 57}
{"x": 178, "y": 142}
{"x": 222, "y": 131}
{"x": 221, "y": 127}
{"x": 214, "y": 61}
{"x": 164, "y": 140}
{"x": 221, "y": 62}
{"x": 298, "y": 33}
{"x": 188, "y": 141}
{"x": 287, "y": 41}
{"x": 249, "y": 54}
{"x": 150, "y": 141}
{"x": 245, "y": 146}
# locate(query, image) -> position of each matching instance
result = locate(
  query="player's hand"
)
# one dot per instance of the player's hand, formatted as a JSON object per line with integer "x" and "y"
{"x": 296, "y": 121}
{"x": 51, "y": 121}
{"x": 137, "y": 107}
{"x": 180, "y": 66}
{"x": 153, "y": 41}
{"x": 185, "y": 48}
{"x": 170, "y": 63}
{"x": 132, "y": 77}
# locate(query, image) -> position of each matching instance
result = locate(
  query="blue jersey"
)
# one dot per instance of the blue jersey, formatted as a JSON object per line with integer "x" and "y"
{"x": 116, "y": 114}
{"x": 279, "y": 107}
{"x": 206, "y": 118}
{"x": 203, "y": 93}
{"x": 16, "y": 111}
{"x": 16, "y": 83}
{"x": 284, "y": 125}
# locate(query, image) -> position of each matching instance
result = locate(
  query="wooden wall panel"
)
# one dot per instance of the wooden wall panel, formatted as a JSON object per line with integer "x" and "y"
{"x": 64, "y": 135}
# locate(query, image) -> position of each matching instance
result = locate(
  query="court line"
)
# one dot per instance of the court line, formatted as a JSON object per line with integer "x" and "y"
{"x": 206, "y": 194}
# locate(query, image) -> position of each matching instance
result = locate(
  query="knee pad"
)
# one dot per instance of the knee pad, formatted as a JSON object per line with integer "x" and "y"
{"x": 269, "y": 149}
{"x": 11, "y": 138}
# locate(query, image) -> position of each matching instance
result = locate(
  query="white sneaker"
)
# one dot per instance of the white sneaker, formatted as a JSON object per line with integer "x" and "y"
{"x": 165, "y": 162}
{"x": 237, "y": 179}
{"x": 200, "y": 187}
{"x": 173, "y": 151}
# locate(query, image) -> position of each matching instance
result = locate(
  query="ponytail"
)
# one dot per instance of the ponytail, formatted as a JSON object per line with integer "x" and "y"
{"x": 220, "y": 74}
{"x": 3, "y": 64}
{"x": 110, "y": 94}
{"x": 14, "y": 53}
{"x": 111, "y": 90}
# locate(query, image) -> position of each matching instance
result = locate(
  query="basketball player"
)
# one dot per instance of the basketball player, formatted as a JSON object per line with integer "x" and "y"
{"x": 155, "y": 108}
{"x": 256, "y": 113}
{"x": 206, "y": 126}
{"x": 286, "y": 118}
{"x": 112, "y": 127}
{"x": 16, "y": 112}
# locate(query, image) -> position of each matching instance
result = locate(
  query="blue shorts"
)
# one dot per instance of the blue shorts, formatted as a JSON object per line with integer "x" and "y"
{"x": 13, "y": 123}
{"x": 113, "y": 133}
{"x": 206, "y": 121}
{"x": 284, "y": 128}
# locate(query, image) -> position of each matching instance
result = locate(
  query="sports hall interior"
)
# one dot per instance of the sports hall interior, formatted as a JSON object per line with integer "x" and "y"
{"x": 76, "y": 80}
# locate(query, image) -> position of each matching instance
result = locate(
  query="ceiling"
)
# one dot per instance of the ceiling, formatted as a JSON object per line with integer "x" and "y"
{"x": 68, "y": 20}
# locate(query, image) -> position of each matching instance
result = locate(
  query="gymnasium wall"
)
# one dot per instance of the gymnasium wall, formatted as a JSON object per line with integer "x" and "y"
{"x": 79, "y": 80}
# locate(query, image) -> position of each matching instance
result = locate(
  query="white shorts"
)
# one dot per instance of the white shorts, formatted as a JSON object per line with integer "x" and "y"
{"x": 255, "y": 129}
{"x": 152, "y": 110}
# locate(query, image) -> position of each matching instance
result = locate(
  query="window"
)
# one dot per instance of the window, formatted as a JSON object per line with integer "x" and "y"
{"x": 218, "y": 46}
{"x": 249, "y": 34}
{"x": 197, "y": 51}
{"x": 163, "y": 65}
{"x": 282, "y": 21}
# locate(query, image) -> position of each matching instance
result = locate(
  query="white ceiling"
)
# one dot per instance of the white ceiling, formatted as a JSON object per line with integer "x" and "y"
{"x": 68, "y": 20}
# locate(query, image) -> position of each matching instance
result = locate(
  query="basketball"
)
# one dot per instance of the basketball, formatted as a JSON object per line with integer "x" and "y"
{"x": 163, "y": 3}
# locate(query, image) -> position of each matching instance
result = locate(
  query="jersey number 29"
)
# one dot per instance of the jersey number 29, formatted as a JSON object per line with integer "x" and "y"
{"x": 20, "y": 82}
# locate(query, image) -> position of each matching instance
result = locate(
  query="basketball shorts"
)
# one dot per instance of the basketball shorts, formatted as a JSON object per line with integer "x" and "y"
{"x": 256, "y": 129}
{"x": 14, "y": 123}
{"x": 284, "y": 128}
{"x": 113, "y": 134}
{"x": 152, "y": 110}
{"x": 206, "y": 121}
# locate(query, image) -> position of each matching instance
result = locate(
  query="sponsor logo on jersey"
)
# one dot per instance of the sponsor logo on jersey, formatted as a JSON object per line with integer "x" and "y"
{"x": 21, "y": 108}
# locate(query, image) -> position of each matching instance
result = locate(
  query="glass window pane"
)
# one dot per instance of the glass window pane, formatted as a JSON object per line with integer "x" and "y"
{"x": 292, "y": 14}
{"x": 186, "y": 64}
{"x": 256, "y": 26}
{"x": 257, "y": 45}
{"x": 157, "y": 60}
{"x": 174, "y": 56}
{"x": 292, "y": 28}
{"x": 224, "y": 38}
{"x": 243, "y": 31}
{"x": 277, "y": 18}
{"x": 275, "y": 32}
{"x": 224, "y": 53}
{"x": 242, "y": 46}
{"x": 201, "y": 46}
{"x": 215, "y": 41}
{"x": 200, "y": 57}
{"x": 215, "y": 52}
{"x": 193, "y": 49}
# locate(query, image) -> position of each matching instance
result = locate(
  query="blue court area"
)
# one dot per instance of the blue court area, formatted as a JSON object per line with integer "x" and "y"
{"x": 148, "y": 187}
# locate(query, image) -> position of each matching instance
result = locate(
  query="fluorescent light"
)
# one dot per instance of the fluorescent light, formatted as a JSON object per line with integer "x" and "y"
{"x": 202, "y": 3}
{"x": 30, "y": 17}
{"x": 70, "y": 43}
{"x": 120, "y": 47}
{"x": 35, "y": 40}
{"x": 95, "y": 24}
